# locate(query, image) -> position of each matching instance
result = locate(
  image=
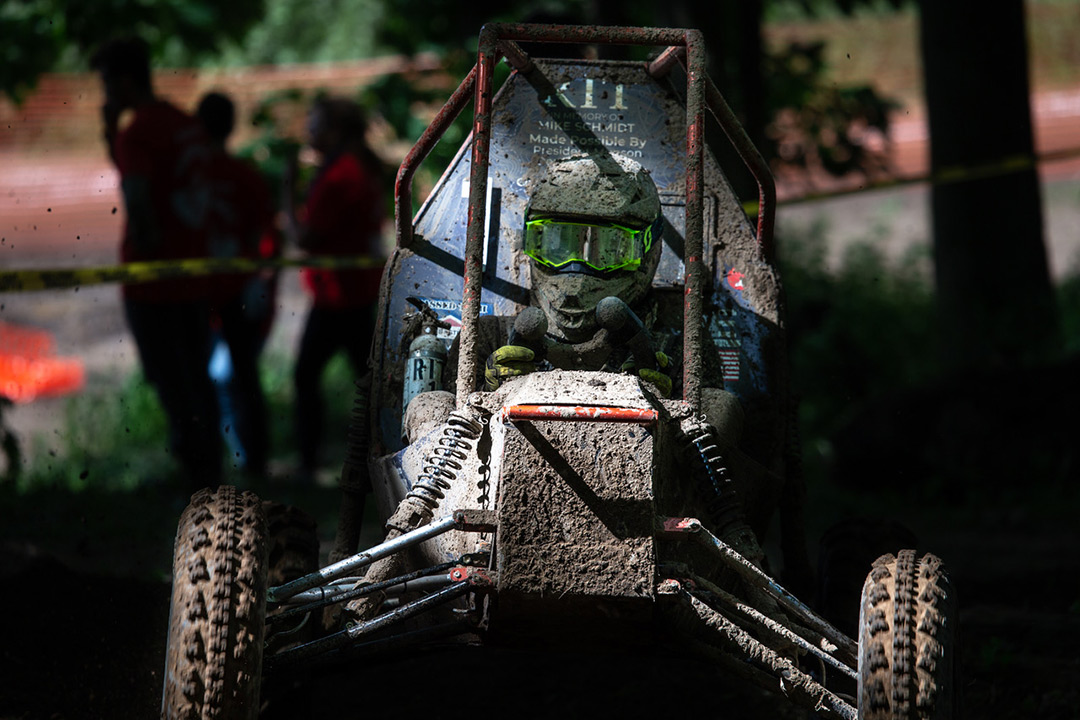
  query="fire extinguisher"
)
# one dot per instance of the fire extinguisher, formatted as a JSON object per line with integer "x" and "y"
{"x": 426, "y": 358}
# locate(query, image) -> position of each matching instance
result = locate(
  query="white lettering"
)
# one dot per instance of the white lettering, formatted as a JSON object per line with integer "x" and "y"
{"x": 589, "y": 100}
{"x": 618, "y": 98}
{"x": 589, "y": 94}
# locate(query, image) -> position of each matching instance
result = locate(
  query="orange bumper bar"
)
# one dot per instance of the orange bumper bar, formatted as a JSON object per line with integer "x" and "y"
{"x": 580, "y": 413}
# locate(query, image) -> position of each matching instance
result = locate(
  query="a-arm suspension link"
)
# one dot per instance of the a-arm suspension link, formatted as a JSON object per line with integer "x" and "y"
{"x": 282, "y": 593}
{"x": 344, "y": 637}
{"x": 674, "y": 527}
{"x": 318, "y": 598}
{"x": 776, "y": 629}
{"x": 796, "y": 684}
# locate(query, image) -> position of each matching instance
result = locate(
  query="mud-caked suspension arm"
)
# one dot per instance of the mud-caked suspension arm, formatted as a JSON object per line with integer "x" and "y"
{"x": 792, "y": 682}
{"x": 690, "y": 527}
{"x": 752, "y": 615}
{"x": 468, "y": 520}
{"x": 471, "y": 580}
{"x": 350, "y": 588}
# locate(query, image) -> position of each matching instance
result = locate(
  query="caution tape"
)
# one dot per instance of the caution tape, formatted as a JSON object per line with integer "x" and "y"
{"x": 944, "y": 176}
{"x": 144, "y": 272}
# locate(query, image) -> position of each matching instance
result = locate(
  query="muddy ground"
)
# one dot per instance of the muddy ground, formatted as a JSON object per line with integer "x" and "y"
{"x": 86, "y": 591}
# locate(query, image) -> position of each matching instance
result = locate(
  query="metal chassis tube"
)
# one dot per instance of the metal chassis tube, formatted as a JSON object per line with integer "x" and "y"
{"x": 423, "y": 580}
{"x": 582, "y": 413}
{"x": 498, "y": 40}
{"x": 281, "y": 593}
{"x": 792, "y": 680}
{"x": 342, "y": 638}
{"x": 318, "y": 598}
{"x": 771, "y": 625}
{"x": 751, "y": 573}
{"x": 755, "y": 163}
{"x": 427, "y": 141}
{"x": 736, "y": 134}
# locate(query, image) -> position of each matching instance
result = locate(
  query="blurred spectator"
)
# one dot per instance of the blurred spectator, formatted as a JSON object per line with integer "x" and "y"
{"x": 241, "y": 226}
{"x": 162, "y": 156}
{"x": 342, "y": 215}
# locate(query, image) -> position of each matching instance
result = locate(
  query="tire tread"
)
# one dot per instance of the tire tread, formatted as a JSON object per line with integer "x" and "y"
{"x": 906, "y": 640}
{"x": 214, "y": 653}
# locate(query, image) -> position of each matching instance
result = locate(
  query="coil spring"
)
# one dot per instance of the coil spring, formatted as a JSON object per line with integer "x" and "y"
{"x": 357, "y": 432}
{"x": 441, "y": 465}
{"x": 725, "y": 509}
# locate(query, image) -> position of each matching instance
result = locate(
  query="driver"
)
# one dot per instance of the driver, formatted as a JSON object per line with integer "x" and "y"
{"x": 593, "y": 230}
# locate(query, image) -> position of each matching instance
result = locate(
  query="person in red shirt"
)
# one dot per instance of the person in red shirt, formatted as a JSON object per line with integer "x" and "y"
{"x": 162, "y": 156}
{"x": 342, "y": 215}
{"x": 240, "y": 224}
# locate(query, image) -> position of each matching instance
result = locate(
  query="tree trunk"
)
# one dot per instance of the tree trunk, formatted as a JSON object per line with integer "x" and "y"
{"x": 995, "y": 299}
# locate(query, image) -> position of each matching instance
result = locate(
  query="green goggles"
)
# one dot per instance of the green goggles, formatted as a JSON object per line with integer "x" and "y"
{"x": 603, "y": 247}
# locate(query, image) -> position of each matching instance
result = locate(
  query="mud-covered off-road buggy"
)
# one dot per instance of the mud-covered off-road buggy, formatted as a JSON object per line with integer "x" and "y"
{"x": 572, "y": 502}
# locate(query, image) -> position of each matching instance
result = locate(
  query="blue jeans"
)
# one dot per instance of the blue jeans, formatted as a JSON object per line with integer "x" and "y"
{"x": 242, "y": 402}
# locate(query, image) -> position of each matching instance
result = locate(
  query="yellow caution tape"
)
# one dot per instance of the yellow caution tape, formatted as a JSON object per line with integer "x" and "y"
{"x": 945, "y": 176}
{"x": 142, "y": 272}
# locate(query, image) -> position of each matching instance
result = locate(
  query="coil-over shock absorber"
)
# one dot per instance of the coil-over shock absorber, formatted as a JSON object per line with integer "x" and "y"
{"x": 443, "y": 462}
{"x": 724, "y": 508}
{"x": 459, "y": 433}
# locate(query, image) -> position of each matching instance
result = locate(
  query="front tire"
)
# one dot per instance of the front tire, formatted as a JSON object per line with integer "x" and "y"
{"x": 907, "y": 640}
{"x": 213, "y": 662}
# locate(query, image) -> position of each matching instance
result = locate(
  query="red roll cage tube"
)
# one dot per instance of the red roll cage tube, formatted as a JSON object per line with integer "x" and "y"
{"x": 498, "y": 40}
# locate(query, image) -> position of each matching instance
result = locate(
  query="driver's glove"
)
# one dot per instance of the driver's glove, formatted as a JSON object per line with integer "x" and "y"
{"x": 659, "y": 377}
{"x": 507, "y": 362}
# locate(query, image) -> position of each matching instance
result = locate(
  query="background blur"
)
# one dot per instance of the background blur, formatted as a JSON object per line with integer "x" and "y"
{"x": 928, "y": 169}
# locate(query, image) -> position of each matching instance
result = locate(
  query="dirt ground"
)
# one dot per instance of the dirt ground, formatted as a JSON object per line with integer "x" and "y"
{"x": 87, "y": 618}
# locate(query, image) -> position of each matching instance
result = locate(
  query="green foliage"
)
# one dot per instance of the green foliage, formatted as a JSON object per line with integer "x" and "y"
{"x": 856, "y": 333}
{"x": 41, "y": 33}
{"x": 338, "y": 393}
{"x": 117, "y": 440}
{"x": 1068, "y": 302}
{"x": 446, "y": 24}
{"x": 817, "y": 124}
{"x": 395, "y": 98}
{"x": 273, "y": 149}
{"x": 292, "y": 31}
{"x": 407, "y": 104}
{"x": 187, "y": 28}
{"x": 794, "y": 10}
{"x": 178, "y": 31}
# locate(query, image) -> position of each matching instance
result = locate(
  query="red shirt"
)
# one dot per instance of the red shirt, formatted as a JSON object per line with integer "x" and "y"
{"x": 240, "y": 214}
{"x": 344, "y": 212}
{"x": 167, "y": 148}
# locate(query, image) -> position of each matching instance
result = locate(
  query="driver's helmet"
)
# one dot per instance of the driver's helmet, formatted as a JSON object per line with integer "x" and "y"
{"x": 592, "y": 229}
